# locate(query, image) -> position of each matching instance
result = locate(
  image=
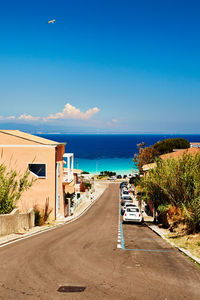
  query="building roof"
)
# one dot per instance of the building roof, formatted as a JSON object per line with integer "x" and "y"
{"x": 30, "y": 137}
{"x": 176, "y": 154}
{"x": 179, "y": 153}
{"x": 194, "y": 143}
{"x": 78, "y": 171}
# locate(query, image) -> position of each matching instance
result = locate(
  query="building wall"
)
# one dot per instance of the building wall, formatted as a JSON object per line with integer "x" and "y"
{"x": 19, "y": 154}
{"x": 43, "y": 189}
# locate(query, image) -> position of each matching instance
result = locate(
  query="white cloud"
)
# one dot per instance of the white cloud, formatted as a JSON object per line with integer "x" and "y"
{"x": 72, "y": 112}
{"x": 115, "y": 120}
{"x": 11, "y": 118}
{"x": 26, "y": 117}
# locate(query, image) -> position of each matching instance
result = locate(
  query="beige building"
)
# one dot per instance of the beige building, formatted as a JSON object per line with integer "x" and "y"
{"x": 48, "y": 164}
{"x": 175, "y": 154}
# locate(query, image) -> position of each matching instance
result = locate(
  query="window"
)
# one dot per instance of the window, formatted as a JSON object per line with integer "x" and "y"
{"x": 133, "y": 210}
{"x": 38, "y": 169}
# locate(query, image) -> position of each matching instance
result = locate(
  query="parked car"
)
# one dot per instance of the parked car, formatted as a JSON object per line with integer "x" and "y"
{"x": 124, "y": 193}
{"x": 125, "y": 205}
{"x": 132, "y": 214}
{"x": 112, "y": 178}
{"x": 126, "y": 199}
{"x": 123, "y": 188}
{"x": 123, "y": 184}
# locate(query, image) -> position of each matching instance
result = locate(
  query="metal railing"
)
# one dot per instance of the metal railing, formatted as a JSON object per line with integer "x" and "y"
{"x": 68, "y": 176}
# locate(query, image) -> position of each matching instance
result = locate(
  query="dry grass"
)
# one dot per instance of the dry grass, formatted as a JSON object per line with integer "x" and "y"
{"x": 175, "y": 214}
{"x": 189, "y": 242}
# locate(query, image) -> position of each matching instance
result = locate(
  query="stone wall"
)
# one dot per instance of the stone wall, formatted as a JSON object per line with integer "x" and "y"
{"x": 16, "y": 222}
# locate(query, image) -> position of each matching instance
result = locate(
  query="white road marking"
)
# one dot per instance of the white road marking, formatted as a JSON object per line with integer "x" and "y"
{"x": 26, "y": 237}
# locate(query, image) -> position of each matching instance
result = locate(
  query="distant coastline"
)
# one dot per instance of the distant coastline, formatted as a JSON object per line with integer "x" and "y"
{"x": 108, "y": 152}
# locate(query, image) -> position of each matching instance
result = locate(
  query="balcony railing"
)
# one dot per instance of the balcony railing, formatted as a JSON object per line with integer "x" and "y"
{"x": 68, "y": 176}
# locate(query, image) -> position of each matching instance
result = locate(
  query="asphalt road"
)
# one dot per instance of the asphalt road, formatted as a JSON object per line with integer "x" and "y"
{"x": 81, "y": 261}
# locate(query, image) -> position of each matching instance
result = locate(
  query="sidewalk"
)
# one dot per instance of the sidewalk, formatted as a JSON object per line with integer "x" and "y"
{"x": 81, "y": 209}
{"x": 161, "y": 232}
{"x": 148, "y": 220}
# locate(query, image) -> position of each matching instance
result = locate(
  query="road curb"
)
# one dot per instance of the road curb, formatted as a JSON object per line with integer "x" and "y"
{"x": 186, "y": 252}
{"x": 28, "y": 235}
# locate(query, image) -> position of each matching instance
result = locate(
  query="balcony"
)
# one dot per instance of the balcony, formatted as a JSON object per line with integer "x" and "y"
{"x": 67, "y": 176}
{"x": 68, "y": 173}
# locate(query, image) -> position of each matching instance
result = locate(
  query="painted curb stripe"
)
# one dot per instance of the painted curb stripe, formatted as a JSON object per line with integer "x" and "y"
{"x": 148, "y": 250}
{"x": 122, "y": 237}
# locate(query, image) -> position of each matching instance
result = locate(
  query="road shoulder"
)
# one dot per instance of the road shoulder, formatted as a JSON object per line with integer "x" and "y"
{"x": 160, "y": 232}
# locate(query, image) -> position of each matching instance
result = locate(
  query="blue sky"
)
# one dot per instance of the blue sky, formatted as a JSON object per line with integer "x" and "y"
{"x": 103, "y": 66}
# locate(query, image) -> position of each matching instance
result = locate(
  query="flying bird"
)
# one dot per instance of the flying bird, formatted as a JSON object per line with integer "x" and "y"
{"x": 51, "y": 21}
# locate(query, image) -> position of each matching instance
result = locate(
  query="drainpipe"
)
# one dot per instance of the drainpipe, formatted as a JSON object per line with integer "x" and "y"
{"x": 56, "y": 189}
{"x": 56, "y": 185}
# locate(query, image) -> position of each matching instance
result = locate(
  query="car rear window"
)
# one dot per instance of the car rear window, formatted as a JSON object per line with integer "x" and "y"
{"x": 127, "y": 198}
{"x": 125, "y": 192}
{"x": 133, "y": 209}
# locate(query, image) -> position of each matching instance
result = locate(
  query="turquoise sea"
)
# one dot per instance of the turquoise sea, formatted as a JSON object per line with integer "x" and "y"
{"x": 121, "y": 166}
{"x": 108, "y": 152}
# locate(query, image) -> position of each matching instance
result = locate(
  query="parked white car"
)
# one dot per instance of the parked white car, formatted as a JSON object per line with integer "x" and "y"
{"x": 124, "y": 206}
{"x": 132, "y": 214}
{"x": 112, "y": 178}
{"x": 129, "y": 176}
{"x": 126, "y": 199}
{"x": 124, "y": 193}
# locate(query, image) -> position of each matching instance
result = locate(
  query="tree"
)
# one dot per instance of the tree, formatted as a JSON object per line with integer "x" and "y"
{"x": 135, "y": 180}
{"x": 12, "y": 186}
{"x": 168, "y": 145}
{"x": 176, "y": 183}
{"x": 148, "y": 155}
{"x": 145, "y": 156}
{"x": 107, "y": 173}
{"x": 85, "y": 185}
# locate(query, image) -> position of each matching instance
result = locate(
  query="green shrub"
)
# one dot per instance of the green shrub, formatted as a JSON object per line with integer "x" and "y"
{"x": 168, "y": 145}
{"x": 12, "y": 186}
{"x": 176, "y": 182}
{"x": 42, "y": 215}
{"x": 85, "y": 172}
{"x": 107, "y": 173}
